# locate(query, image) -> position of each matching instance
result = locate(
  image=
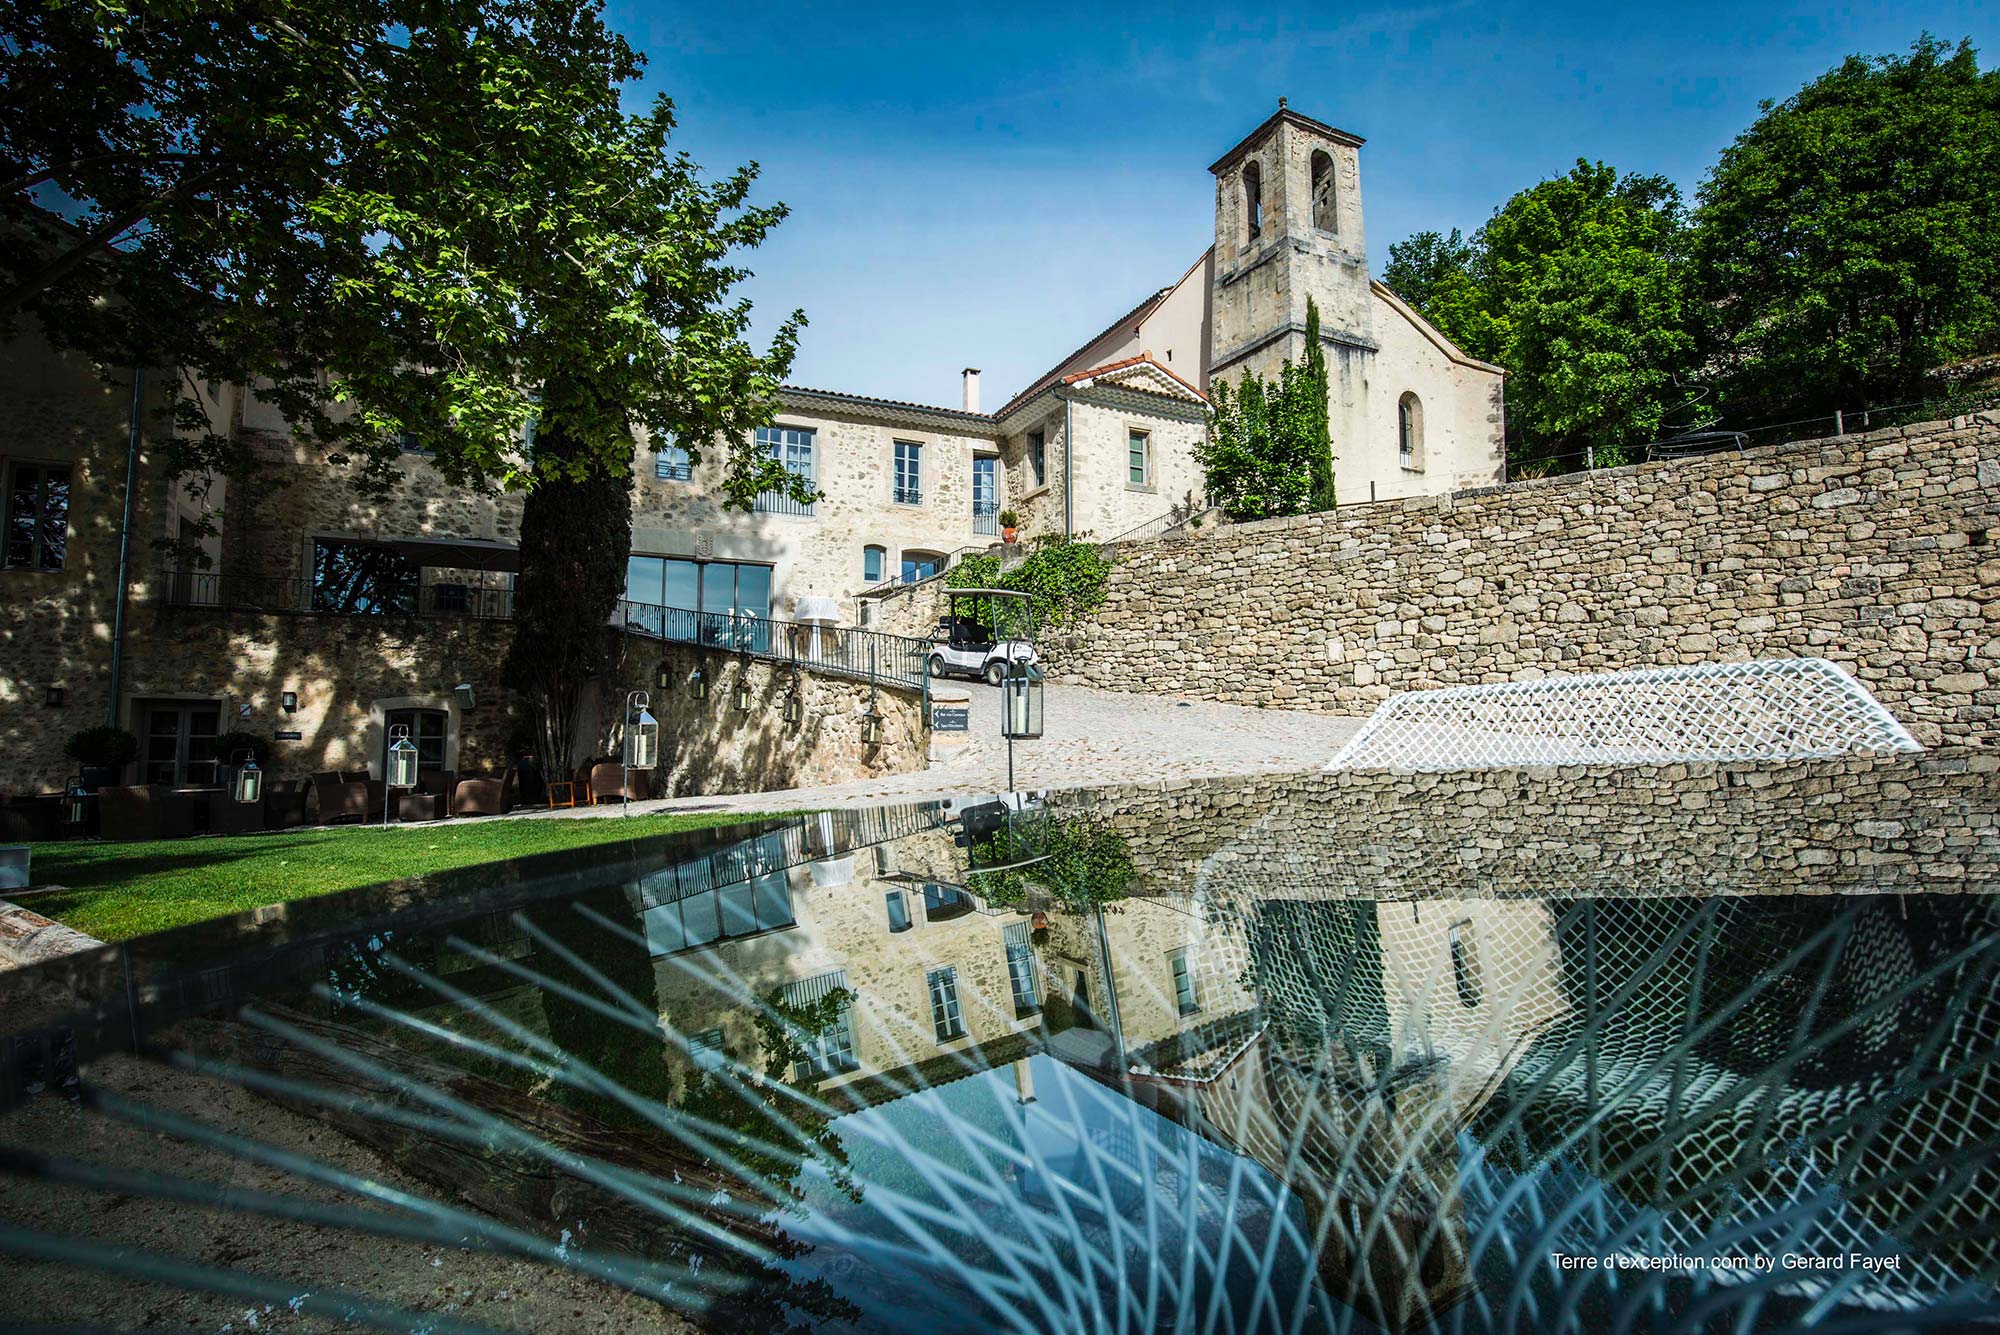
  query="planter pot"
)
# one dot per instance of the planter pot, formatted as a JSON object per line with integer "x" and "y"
{"x": 1007, "y": 535}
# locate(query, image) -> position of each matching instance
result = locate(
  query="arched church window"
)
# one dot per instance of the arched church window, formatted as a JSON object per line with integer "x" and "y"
{"x": 1410, "y": 433}
{"x": 1253, "y": 198}
{"x": 1326, "y": 216}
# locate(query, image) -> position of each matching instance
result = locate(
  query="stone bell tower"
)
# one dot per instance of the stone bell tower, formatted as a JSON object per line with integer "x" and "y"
{"x": 1288, "y": 227}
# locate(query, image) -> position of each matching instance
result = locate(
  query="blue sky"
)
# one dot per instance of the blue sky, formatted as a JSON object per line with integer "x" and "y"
{"x": 991, "y": 185}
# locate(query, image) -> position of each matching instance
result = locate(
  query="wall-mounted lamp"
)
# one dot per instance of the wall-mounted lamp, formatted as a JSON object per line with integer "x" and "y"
{"x": 698, "y": 685}
{"x": 742, "y": 692}
{"x": 56, "y": 696}
{"x": 794, "y": 711}
{"x": 463, "y": 694}
{"x": 289, "y": 702}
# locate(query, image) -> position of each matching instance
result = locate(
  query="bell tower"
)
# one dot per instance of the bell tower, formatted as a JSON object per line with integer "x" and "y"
{"x": 1288, "y": 228}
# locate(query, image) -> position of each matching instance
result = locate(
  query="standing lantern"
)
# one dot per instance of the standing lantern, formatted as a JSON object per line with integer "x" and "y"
{"x": 642, "y": 739}
{"x": 400, "y": 769}
{"x": 1020, "y": 709}
{"x": 78, "y": 809}
{"x": 249, "y": 786}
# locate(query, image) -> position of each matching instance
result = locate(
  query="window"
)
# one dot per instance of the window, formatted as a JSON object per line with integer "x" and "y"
{"x": 1038, "y": 457}
{"x": 985, "y": 493}
{"x": 37, "y": 516}
{"x": 831, "y": 1051}
{"x": 944, "y": 902}
{"x": 1139, "y": 459}
{"x": 945, "y": 1017}
{"x": 362, "y": 579}
{"x": 919, "y": 565}
{"x": 409, "y": 443}
{"x": 872, "y": 561}
{"x": 1184, "y": 993}
{"x": 898, "y": 905}
{"x": 179, "y": 749}
{"x": 1253, "y": 200}
{"x": 1326, "y": 216}
{"x": 792, "y": 447}
{"x": 909, "y": 473}
{"x": 1464, "y": 964}
{"x": 700, "y": 602}
{"x": 671, "y": 463}
{"x": 1410, "y": 433}
{"x": 426, "y": 733}
{"x": 1021, "y": 969}
{"x": 744, "y": 908}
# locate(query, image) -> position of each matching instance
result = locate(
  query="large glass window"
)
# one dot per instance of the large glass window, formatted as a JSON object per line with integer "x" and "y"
{"x": 946, "y": 1021}
{"x": 426, "y": 733}
{"x": 719, "y": 589}
{"x": 37, "y": 516}
{"x": 760, "y": 904}
{"x": 909, "y": 473}
{"x": 362, "y": 579}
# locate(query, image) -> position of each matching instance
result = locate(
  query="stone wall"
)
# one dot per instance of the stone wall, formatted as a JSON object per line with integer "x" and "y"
{"x": 1886, "y": 824}
{"x": 710, "y": 746}
{"x": 1871, "y": 550}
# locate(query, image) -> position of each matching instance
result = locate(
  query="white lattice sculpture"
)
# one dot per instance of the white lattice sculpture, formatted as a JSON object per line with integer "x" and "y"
{"x": 1766, "y": 709}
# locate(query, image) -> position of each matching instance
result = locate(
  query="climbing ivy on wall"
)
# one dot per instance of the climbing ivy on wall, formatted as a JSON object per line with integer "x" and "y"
{"x": 1063, "y": 578}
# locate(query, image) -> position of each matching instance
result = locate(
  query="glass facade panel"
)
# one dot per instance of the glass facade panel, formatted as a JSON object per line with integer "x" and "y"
{"x": 362, "y": 579}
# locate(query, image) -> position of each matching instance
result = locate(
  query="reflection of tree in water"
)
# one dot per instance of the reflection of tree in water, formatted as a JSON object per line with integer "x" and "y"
{"x": 1720, "y": 1056}
{"x": 1078, "y": 862}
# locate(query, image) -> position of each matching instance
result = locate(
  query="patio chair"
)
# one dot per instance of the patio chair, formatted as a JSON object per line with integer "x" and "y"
{"x": 484, "y": 794}
{"x": 607, "y": 784}
{"x": 340, "y": 797}
{"x": 145, "y": 811}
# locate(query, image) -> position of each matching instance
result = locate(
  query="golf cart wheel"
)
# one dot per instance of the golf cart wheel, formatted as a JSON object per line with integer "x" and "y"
{"x": 996, "y": 672}
{"x": 937, "y": 665}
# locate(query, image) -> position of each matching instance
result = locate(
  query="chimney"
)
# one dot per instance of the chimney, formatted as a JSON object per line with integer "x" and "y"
{"x": 971, "y": 374}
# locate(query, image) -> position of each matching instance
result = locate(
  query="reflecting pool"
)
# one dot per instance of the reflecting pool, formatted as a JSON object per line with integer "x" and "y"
{"x": 1708, "y": 1048}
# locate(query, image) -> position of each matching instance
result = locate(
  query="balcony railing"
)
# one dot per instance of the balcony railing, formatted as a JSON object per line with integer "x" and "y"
{"x": 288, "y": 595}
{"x": 986, "y": 517}
{"x": 781, "y": 503}
{"x": 909, "y": 495}
{"x": 841, "y": 650}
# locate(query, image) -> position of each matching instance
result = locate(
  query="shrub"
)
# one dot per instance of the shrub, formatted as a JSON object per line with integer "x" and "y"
{"x": 1063, "y": 578}
{"x": 102, "y": 747}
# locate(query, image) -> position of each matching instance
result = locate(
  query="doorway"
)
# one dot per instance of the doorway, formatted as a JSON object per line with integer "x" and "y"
{"x": 179, "y": 743}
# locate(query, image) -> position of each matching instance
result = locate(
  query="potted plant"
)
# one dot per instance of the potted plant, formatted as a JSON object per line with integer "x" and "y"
{"x": 101, "y": 753}
{"x": 1009, "y": 526}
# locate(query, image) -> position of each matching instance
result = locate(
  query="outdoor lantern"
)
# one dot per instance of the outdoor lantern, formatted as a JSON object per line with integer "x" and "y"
{"x": 742, "y": 692}
{"x": 698, "y": 685}
{"x": 289, "y": 702}
{"x": 1021, "y": 703}
{"x": 55, "y": 697}
{"x": 794, "y": 710}
{"x": 871, "y": 728}
{"x": 464, "y": 694}
{"x": 642, "y": 733}
{"x": 402, "y": 768}
{"x": 666, "y": 675}
{"x": 77, "y": 809}
{"x": 249, "y": 779}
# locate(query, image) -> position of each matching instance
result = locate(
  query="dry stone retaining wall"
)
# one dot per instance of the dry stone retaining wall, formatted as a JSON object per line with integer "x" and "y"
{"x": 1871, "y": 550}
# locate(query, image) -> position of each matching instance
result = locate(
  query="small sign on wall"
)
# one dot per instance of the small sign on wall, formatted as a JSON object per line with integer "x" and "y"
{"x": 291, "y": 736}
{"x": 946, "y": 718}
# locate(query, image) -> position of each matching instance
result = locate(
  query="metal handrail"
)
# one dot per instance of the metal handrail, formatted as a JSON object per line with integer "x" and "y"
{"x": 843, "y": 651}
{"x": 896, "y": 583}
{"x": 1161, "y": 525}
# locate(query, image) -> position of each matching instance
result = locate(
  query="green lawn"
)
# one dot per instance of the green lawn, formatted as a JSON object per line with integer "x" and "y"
{"x": 120, "y": 890}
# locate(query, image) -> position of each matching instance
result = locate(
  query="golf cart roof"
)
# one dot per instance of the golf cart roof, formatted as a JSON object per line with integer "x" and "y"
{"x": 987, "y": 593}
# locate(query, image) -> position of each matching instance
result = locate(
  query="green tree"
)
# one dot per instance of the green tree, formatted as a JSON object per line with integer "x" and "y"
{"x": 1427, "y": 268}
{"x": 1259, "y": 460}
{"x": 408, "y": 221}
{"x": 1848, "y": 242}
{"x": 1577, "y": 286}
{"x": 1310, "y": 398}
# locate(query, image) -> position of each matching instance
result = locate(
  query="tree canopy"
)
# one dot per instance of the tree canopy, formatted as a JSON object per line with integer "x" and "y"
{"x": 1843, "y": 248}
{"x": 1848, "y": 242}
{"x": 405, "y": 221}
{"x": 1269, "y": 450}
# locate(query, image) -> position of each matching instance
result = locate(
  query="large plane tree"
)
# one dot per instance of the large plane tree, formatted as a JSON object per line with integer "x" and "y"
{"x": 423, "y": 222}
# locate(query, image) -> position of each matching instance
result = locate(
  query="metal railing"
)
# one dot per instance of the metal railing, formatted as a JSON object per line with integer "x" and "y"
{"x": 782, "y": 503}
{"x": 843, "y": 651}
{"x": 909, "y": 495}
{"x": 986, "y": 517}
{"x": 1173, "y": 521}
{"x": 288, "y": 595}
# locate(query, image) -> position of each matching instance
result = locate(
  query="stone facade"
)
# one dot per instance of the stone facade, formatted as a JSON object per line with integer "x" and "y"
{"x": 1870, "y": 550}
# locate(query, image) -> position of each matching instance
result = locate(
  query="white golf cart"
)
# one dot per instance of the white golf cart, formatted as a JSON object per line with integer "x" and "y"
{"x": 984, "y": 631}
